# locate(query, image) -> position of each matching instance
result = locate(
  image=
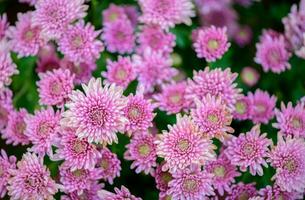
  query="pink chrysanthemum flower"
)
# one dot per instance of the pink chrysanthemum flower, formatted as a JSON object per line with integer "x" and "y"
{"x": 191, "y": 183}
{"x": 77, "y": 153}
{"x": 275, "y": 192}
{"x": 261, "y": 106}
{"x": 31, "y": 180}
{"x": 42, "y": 129}
{"x": 139, "y": 113}
{"x": 109, "y": 165}
{"x": 243, "y": 35}
{"x": 113, "y": 13}
{"x": 249, "y": 150}
{"x": 216, "y": 83}
{"x": 132, "y": 14}
{"x": 272, "y": 54}
{"x": 249, "y": 76}
{"x": 3, "y": 25}
{"x": 162, "y": 178}
{"x": 7, "y": 69}
{"x": 242, "y": 191}
{"x": 47, "y": 62}
{"x": 97, "y": 114}
{"x": 87, "y": 194}
{"x": 7, "y": 163}
{"x": 173, "y": 99}
{"x": 212, "y": 116}
{"x": 290, "y": 120}
{"x": 289, "y": 161}
{"x": 120, "y": 72}
{"x": 55, "y": 87}
{"x": 184, "y": 145}
{"x": 79, "y": 43}
{"x": 224, "y": 173}
{"x": 6, "y": 106}
{"x": 206, "y": 6}
{"x": 152, "y": 36}
{"x": 120, "y": 194}
{"x": 211, "y": 43}
{"x": 25, "y": 38}
{"x": 153, "y": 69}
{"x": 167, "y": 13}
{"x": 119, "y": 37}
{"x": 142, "y": 151}
{"x": 15, "y": 129}
{"x": 242, "y": 107}
{"x": 54, "y": 16}
{"x": 79, "y": 180}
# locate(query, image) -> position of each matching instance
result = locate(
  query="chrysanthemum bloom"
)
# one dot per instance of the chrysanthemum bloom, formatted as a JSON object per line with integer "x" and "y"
{"x": 290, "y": 120}
{"x": 132, "y": 14}
{"x": 7, "y": 69}
{"x": 261, "y": 106}
{"x": 191, "y": 183}
{"x": 243, "y": 35}
{"x": 6, "y": 106}
{"x": 47, "y": 63}
{"x": 206, "y": 6}
{"x": 96, "y": 114}
{"x": 224, "y": 173}
{"x": 31, "y": 179}
{"x": 79, "y": 180}
{"x": 25, "y": 38}
{"x": 87, "y": 194}
{"x": 162, "y": 178}
{"x": 79, "y": 43}
{"x": 142, "y": 151}
{"x": 82, "y": 71}
{"x": 7, "y": 163}
{"x": 152, "y": 36}
{"x": 77, "y": 153}
{"x": 3, "y": 25}
{"x": 120, "y": 72}
{"x": 42, "y": 129}
{"x": 211, "y": 43}
{"x": 113, "y": 13}
{"x": 249, "y": 76}
{"x": 272, "y": 54}
{"x": 153, "y": 69}
{"x": 166, "y": 13}
{"x": 242, "y": 191}
{"x": 109, "y": 165}
{"x": 120, "y": 194}
{"x": 173, "y": 99}
{"x": 54, "y": 16}
{"x": 215, "y": 82}
{"x": 242, "y": 106}
{"x": 275, "y": 192}
{"x": 288, "y": 160}
{"x": 184, "y": 145}
{"x": 139, "y": 113}
{"x": 249, "y": 150}
{"x": 15, "y": 129}
{"x": 119, "y": 37}
{"x": 212, "y": 116}
{"x": 55, "y": 87}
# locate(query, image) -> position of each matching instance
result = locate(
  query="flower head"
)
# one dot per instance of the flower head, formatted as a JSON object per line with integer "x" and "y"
{"x": 242, "y": 191}
{"x": 7, "y": 69}
{"x": 87, "y": 194}
{"x": 242, "y": 107}
{"x": 114, "y": 13}
{"x": 119, "y": 194}
{"x": 7, "y": 163}
{"x": 275, "y": 192}
{"x": 162, "y": 178}
{"x": 243, "y": 35}
{"x": 6, "y": 106}
{"x": 3, "y": 25}
{"x": 249, "y": 76}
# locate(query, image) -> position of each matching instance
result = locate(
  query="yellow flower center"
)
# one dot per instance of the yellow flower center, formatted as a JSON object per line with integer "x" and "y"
{"x": 213, "y": 45}
{"x": 189, "y": 185}
{"x": 183, "y": 145}
{"x": 121, "y": 74}
{"x": 213, "y": 118}
{"x": 219, "y": 171}
{"x": 144, "y": 150}
{"x": 240, "y": 107}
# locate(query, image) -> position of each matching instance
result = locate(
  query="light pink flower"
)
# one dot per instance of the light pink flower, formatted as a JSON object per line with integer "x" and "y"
{"x": 6, "y": 106}
{"x": 249, "y": 76}
{"x": 206, "y": 6}
{"x": 120, "y": 194}
{"x": 7, "y": 163}
{"x": 242, "y": 191}
{"x": 275, "y": 192}
{"x": 242, "y": 107}
{"x": 87, "y": 194}
{"x": 3, "y": 25}
{"x": 7, "y": 69}
{"x": 113, "y": 13}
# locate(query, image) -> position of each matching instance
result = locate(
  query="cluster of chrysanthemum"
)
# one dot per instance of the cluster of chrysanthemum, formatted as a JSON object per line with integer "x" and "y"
{"x": 78, "y": 126}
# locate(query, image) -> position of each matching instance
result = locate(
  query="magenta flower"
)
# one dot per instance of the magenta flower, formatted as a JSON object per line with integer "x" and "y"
{"x": 120, "y": 72}
{"x": 6, "y": 106}
{"x": 55, "y": 87}
{"x": 87, "y": 194}
{"x": 288, "y": 160}
{"x": 7, "y": 69}
{"x": 142, "y": 151}
{"x": 172, "y": 98}
{"x": 119, "y": 37}
{"x": 261, "y": 106}
{"x": 290, "y": 120}
{"x": 166, "y": 13}
{"x": 109, "y": 165}
{"x": 216, "y": 83}
{"x": 3, "y": 25}
{"x": 184, "y": 145}
{"x": 42, "y": 129}
{"x": 25, "y": 38}
{"x": 249, "y": 76}
{"x": 243, "y": 35}
{"x": 191, "y": 183}
{"x": 162, "y": 179}
{"x": 15, "y": 130}
{"x": 206, "y": 6}
{"x": 114, "y": 13}
{"x": 97, "y": 114}
{"x": 211, "y": 43}
{"x": 31, "y": 179}
{"x": 242, "y": 191}
{"x": 77, "y": 153}
{"x": 212, "y": 116}
{"x": 54, "y": 16}
{"x": 139, "y": 114}
{"x": 79, "y": 43}
{"x": 249, "y": 150}
{"x": 120, "y": 194}
{"x": 242, "y": 107}
{"x": 7, "y": 163}
{"x": 275, "y": 192}
{"x": 47, "y": 62}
